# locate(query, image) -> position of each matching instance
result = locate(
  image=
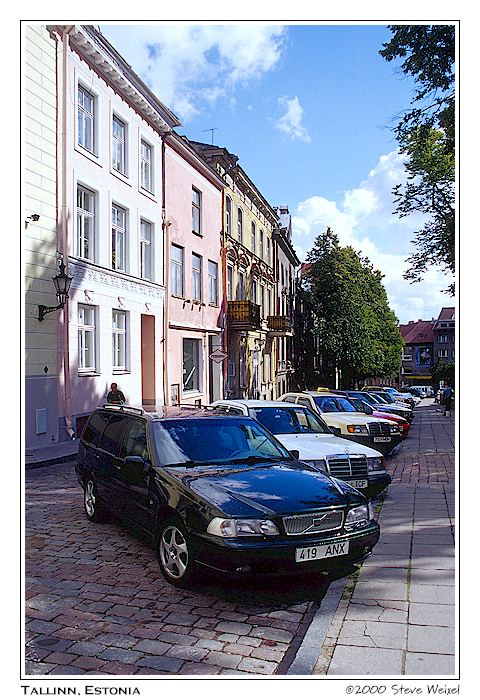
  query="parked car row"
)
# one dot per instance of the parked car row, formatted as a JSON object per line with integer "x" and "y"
{"x": 245, "y": 486}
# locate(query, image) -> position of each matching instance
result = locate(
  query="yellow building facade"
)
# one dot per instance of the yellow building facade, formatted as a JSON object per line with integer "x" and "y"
{"x": 249, "y": 281}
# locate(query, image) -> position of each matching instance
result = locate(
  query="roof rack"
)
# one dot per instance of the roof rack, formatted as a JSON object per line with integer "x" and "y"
{"x": 123, "y": 407}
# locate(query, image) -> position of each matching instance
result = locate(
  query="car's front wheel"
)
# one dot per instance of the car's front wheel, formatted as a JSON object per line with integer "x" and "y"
{"x": 93, "y": 508}
{"x": 174, "y": 554}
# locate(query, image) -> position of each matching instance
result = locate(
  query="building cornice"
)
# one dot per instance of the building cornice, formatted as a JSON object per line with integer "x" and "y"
{"x": 100, "y": 55}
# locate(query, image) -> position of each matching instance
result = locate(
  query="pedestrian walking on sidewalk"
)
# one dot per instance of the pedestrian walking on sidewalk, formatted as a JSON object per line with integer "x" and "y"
{"x": 447, "y": 399}
{"x": 115, "y": 395}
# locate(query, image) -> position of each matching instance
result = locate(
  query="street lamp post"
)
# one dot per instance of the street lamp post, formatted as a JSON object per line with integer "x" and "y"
{"x": 62, "y": 283}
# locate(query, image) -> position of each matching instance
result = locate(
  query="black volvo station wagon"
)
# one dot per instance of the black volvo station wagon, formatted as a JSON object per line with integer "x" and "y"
{"x": 220, "y": 492}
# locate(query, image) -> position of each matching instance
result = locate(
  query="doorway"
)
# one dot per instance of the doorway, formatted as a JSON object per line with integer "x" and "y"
{"x": 148, "y": 360}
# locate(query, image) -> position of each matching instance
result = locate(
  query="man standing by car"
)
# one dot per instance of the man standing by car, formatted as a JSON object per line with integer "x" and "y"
{"x": 447, "y": 399}
{"x": 115, "y": 395}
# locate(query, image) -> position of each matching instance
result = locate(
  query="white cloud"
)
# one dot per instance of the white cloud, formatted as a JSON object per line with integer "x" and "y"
{"x": 365, "y": 221}
{"x": 291, "y": 121}
{"x": 188, "y": 64}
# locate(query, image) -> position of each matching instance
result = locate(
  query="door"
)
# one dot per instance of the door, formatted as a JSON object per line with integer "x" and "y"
{"x": 148, "y": 360}
{"x": 139, "y": 503}
{"x": 109, "y": 481}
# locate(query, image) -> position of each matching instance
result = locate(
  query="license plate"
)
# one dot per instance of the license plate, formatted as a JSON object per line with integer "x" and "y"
{"x": 381, "y": 439}
{"x": 359, "y": 484}
{"x": 322, "y": 551}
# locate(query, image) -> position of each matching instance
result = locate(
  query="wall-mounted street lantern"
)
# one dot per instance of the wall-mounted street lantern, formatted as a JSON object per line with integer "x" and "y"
{"x": 62, "y": 284}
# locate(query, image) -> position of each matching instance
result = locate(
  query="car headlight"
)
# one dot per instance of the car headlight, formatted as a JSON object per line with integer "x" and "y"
{"x": 357, "y": 429}
{"x": 317, "y": 464}
{"x": 239, "y": 527}
{"x": 357, "y": 515}
{"x": 394, "y": 429}
{"x": 376, "y": 464}
{"x": 371, "y": 511}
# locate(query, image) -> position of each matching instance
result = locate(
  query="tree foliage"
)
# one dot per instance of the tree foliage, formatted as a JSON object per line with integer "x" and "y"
{"x": 444, "y": 371}
{"x": 426, "y": 137}
{"x": 358, "y": 331}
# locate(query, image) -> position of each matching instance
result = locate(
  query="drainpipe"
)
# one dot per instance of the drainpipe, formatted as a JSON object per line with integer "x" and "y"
{"x": 224, "y": 300}
{"x": 166, "y": 272}
{"x": 63, "y": 247}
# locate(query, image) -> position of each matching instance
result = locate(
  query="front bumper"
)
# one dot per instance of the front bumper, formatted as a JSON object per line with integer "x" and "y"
{"x": 376, "y": 484}
{"x": 278, "y": 555}
{"x": 369, "y": 440}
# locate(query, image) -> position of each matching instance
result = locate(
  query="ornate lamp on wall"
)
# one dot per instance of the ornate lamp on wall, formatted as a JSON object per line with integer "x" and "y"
{"x": 62, "y": 283}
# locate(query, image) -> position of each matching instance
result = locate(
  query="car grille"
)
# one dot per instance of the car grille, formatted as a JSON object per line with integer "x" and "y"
{"x": 347, "y": 466}
{"x": 379, "y": 429}
{"x": 313, "y": 523}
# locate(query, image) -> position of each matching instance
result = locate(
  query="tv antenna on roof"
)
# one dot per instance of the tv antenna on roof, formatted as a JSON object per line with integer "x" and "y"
{"x": 212, "y": 130}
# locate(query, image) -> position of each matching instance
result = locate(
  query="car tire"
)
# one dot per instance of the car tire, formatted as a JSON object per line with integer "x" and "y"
{"x": 94, "y": 510}
{"x": 174, "y": 554}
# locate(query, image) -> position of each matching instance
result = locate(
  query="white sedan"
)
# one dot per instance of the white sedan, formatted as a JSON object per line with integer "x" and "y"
{"x": 301, "y": 430}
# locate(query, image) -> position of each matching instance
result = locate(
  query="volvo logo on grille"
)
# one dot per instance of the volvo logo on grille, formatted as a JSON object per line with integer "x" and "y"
{"x": 316, "y": 522}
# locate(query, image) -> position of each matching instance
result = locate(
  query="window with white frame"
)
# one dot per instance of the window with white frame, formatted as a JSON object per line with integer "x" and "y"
{"x": 254, "y": 291}
{"x": 262, "y": 300}
{"x": 146, "y": 166}
{"x": 254, "y": 237}
{"x": 85, "y": 119}
{"x": 191, "y": 364}
{"x": 196, "y": 210}
{"x": 443, "y": 338}
{"x": 86, "y": 338}
{"x": 119, "y": 340}
{"x": 119, "y": 237}
{"x": 269, "y": 252}
{"x": 85, "y": 223}
{"x": 260, "y": 253}
{"x": 240, "y": 225}
{"x": 176, "y": 270}
{"x": 196, "y": 277}
{"x": 146, "y": 249}
{"x": 443, "y": 353}
{"x": 228, "y": 215}
{"x": 229, "y": 283}
{"x": 212, "y": 283}
{"x": 119, "y": 145}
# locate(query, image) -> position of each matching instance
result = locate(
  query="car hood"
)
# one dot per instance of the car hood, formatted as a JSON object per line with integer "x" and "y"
{"x": 270, "y": 489}
{"x": 348, "y": 418}
{"x": 383, "y": 415}
{"x": 318, "y": 445}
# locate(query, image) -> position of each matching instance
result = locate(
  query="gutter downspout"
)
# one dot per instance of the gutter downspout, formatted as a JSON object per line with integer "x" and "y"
{"x": 166, "y": 272}
{"x": 224, "y": 301}
{"x": 67, "y": 399}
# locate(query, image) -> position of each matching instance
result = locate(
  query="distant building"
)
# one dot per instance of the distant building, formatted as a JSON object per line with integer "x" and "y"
{"x": 444, "y": 336}
{"x": 418, "y": 353}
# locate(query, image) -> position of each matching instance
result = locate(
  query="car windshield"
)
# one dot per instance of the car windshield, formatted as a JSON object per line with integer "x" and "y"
{"x": 363, "y": 396}
{"x": 334, "y": 404}
{"x": 224, "y": 440}
{"x": 283, "y": 421}
{"x": 384, "y": 398}
{"x": 359, "y": 403}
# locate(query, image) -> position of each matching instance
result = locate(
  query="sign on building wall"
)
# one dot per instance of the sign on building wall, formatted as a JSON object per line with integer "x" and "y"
{"x": 423, "y": 356}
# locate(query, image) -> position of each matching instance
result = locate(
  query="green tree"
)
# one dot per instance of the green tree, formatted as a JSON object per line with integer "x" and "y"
{"x": 444, "y": 371}
{"x": 357, "y": 330}
{"x": 426, "y": 137}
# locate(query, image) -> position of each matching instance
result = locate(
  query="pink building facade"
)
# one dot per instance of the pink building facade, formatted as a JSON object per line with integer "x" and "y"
{"x": 194, "y": 289}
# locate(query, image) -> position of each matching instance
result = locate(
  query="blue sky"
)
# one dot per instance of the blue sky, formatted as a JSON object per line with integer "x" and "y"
{"x": 309, "y": 110}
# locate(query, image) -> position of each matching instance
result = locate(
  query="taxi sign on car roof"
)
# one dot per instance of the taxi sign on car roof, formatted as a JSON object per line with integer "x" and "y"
{"x": 322, "y": 388}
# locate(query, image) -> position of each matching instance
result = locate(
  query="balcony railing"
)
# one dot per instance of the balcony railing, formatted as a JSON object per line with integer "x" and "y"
{"x": 243, "y": 314}
{"x": 279, "y": 326}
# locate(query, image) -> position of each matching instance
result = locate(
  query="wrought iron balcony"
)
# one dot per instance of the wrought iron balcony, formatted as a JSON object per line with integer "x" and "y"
{"x": 243, "y": 315}
{"x": 279, "y": 326}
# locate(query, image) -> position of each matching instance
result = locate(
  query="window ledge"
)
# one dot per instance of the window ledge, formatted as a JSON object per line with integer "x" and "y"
{"x": 197, "y": 233}
{"x": 88, "y": 373}
{"x": 147, "y": 193}
{"x": 121, "y": 176}
{"x": 121, "y": 371}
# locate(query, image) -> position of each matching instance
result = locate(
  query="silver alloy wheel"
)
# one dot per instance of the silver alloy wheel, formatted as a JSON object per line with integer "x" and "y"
{"x": 89, "y": 498}
{"x": 174, "y": 552}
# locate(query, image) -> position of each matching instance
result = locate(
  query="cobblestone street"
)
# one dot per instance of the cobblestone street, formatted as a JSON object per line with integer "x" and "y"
{"x": 97, "y": 603}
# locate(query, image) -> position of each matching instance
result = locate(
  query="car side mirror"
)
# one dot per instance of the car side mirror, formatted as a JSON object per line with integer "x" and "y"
{"x": 295, "y": 454}
{"x": 336, "y": 431}
{"x": 136, "y": 466}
